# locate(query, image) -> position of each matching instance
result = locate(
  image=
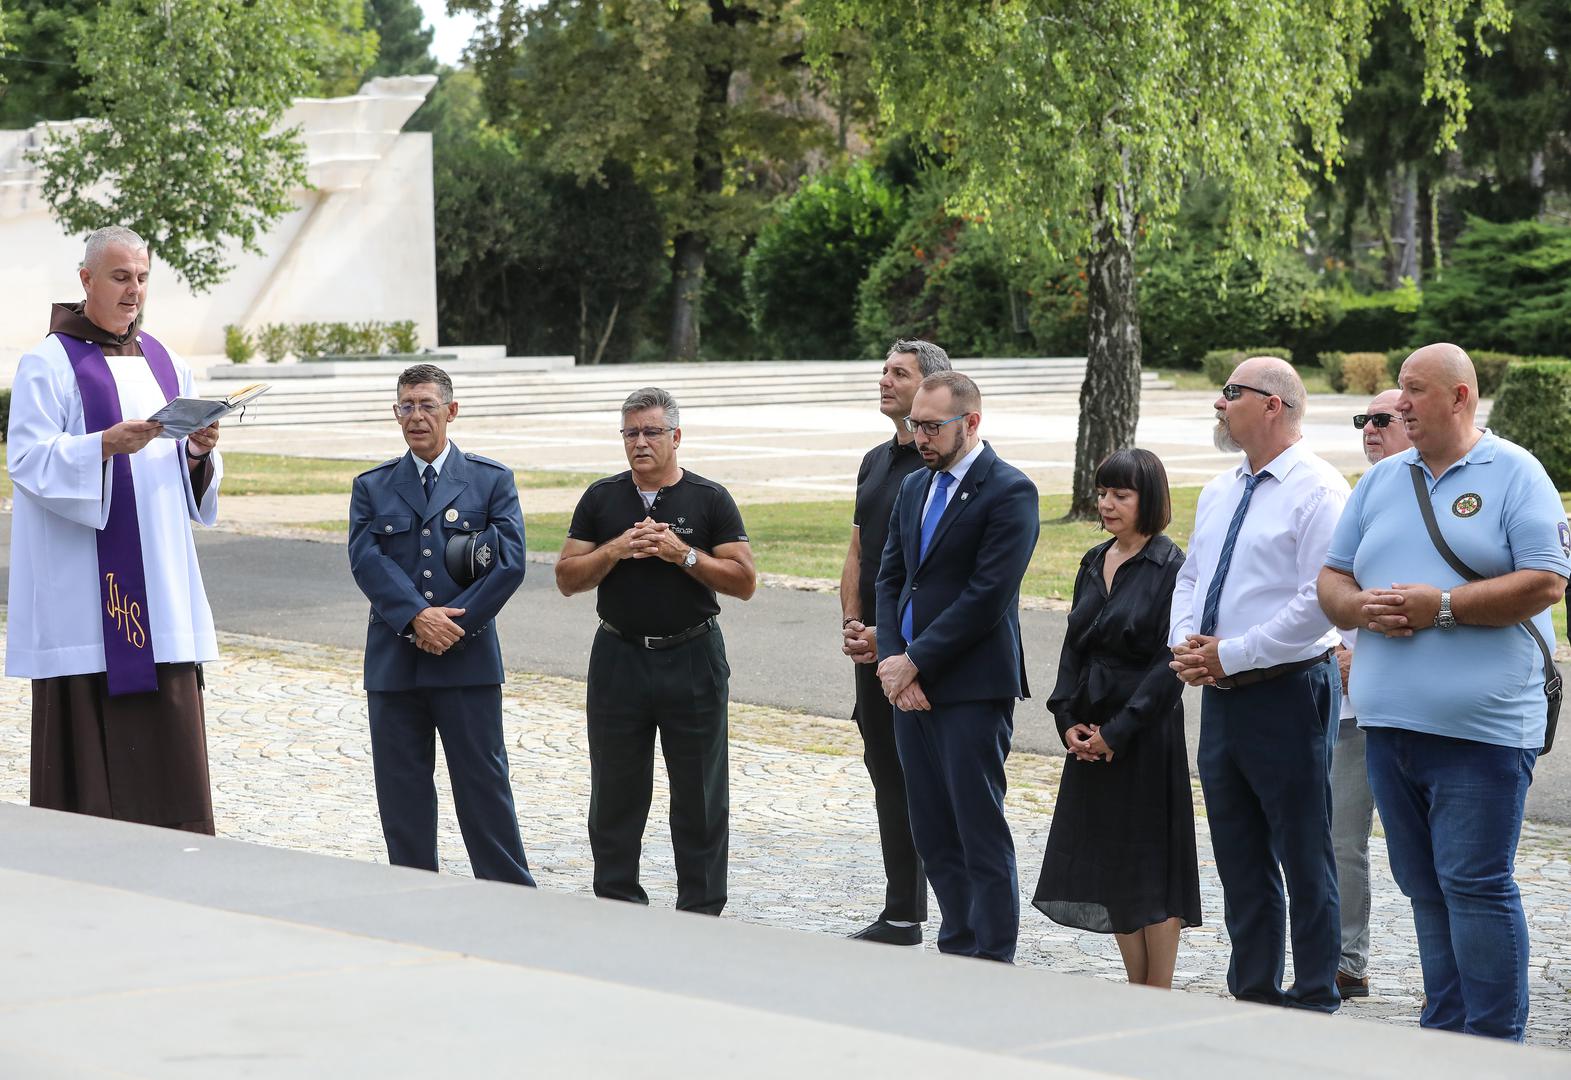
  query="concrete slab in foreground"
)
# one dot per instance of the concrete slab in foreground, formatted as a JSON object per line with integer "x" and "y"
{"x": 139, "y": 952}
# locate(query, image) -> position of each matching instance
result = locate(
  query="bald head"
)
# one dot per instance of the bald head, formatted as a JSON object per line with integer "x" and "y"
{"x": 1276, "y": 377}
{"x": 1447, "y": 362}
{"x": 1438, "y": 400}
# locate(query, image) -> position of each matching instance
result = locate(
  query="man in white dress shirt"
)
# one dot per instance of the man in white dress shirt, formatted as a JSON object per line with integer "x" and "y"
{"x": 1248, "y": 627}
{"x": 108, "y": 616}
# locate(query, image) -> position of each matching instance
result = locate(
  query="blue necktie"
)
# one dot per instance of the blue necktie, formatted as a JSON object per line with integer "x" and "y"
{"x": 1224, "y": 560}
{"x": 428, "y": 479}
{"x": 935, "y": 511}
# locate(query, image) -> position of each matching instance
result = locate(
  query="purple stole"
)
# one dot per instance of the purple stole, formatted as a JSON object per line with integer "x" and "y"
{"x": 122, "y": 581}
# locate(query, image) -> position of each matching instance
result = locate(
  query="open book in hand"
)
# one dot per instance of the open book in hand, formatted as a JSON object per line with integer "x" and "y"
{"x": 184, "y": 415}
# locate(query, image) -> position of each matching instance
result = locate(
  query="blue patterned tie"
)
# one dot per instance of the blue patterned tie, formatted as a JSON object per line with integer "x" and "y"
{"x": 1224, "y": 560}
{"x": 935, "y": 511}
{"x": 428, "y": 480}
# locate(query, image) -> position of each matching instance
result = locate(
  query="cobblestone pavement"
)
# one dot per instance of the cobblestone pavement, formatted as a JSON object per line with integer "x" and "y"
{"x": 291, "y": 767}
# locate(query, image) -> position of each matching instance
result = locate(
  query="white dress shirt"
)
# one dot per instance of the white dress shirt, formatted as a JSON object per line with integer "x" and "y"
{"x": 958, "y": 470}
{"x": 1270, "y": 610}
{"x": 62, "y": 492}
{"x": 436, "y": 463}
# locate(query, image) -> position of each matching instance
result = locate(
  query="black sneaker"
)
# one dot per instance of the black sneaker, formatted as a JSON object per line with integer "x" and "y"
{"x": 888, "y": 934}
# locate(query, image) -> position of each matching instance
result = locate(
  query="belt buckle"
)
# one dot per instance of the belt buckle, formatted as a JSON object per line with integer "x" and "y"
{"x": 646, "y": 640}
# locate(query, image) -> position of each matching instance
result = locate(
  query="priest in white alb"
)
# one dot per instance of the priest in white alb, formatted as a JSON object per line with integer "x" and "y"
{"x": 108, "y": 616}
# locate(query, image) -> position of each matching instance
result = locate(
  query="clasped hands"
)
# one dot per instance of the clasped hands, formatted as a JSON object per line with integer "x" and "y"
{"x": 1400, "y": 610}
{"x": 435, "y": 630}
{"x": 1086, "y": 743}
{"x": 859, "y": 642}
{"x": 651, "y": 539}
{"x": 897, "y": 675}
{"x": 1196, "y": 661}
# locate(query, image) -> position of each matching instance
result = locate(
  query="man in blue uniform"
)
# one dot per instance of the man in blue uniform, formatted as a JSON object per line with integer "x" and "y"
{"x": 436, "y": 542}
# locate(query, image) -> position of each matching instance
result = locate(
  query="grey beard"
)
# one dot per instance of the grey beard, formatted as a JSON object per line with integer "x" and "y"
{"x": 1223, "y": 438}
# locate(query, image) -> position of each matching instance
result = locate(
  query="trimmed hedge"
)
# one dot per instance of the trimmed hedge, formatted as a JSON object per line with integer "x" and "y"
{"x": 1331, "y": 364}
{"x": 1491, "y": 368}
{"x": 1532, "y": 409}
{"x": 1364, "y": 372}
{"x": 1218, "y": 364}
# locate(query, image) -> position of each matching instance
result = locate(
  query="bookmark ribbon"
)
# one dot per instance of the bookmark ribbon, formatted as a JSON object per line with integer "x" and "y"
{"x": 122, "y": 577}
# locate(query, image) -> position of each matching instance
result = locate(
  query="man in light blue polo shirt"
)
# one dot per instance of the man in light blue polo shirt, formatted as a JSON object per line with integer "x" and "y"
{"x": 1449, "y": 689}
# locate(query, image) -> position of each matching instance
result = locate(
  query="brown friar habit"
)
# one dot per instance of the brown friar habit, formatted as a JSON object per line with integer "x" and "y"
{"x": 139, "y": 757}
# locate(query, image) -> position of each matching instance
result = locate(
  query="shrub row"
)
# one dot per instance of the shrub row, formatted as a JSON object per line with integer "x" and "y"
{"x": 1531, "y": 411}
{"x": 276, "y": 340}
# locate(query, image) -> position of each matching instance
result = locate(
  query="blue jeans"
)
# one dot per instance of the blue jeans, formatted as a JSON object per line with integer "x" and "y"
{"x": 1452, "y": 811}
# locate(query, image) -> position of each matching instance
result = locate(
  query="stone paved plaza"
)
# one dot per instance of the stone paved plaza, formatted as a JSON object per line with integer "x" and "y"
{"x": 291, "y": 767}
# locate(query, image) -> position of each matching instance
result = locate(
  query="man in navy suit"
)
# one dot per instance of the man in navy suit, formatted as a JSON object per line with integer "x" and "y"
{"x": 951, "y": 662}
{"x": 436, "y": 542}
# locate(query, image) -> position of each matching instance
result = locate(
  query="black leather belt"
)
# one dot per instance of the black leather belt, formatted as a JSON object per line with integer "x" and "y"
{"x": 1259, "y": 675}
{"x": 670, "y": 641}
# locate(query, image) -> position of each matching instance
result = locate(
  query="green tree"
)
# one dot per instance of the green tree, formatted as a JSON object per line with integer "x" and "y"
{"x": 188, "y": 94}
{"x": 41, "y": 80}
{"x": 809, "y": 259}
{"x": 403, "y": 39}
{"x": 702, "y": 98}
{"x": 1076, "y": 124}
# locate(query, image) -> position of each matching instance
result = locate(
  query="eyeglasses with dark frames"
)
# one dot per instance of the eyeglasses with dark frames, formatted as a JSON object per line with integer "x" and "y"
{"x": 930, "y": 428}
{"x": 1379, "y": 419}
{"x": 1235, "y": 390}
{"x": 651, "y": 433}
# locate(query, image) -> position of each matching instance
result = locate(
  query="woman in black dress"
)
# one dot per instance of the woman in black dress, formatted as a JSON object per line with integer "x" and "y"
{"x": 1121, "y": 854}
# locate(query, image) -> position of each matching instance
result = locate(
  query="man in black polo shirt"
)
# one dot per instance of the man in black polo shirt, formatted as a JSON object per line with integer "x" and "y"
{"x": 658, "y": 542}
{"x": 877, "y": 484}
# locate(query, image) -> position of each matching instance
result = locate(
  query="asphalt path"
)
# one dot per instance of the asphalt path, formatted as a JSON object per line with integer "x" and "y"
{"x": 783, "y": 644}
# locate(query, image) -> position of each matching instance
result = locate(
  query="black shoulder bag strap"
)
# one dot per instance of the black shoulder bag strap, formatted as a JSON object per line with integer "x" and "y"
{"x": 1552, "y": 681}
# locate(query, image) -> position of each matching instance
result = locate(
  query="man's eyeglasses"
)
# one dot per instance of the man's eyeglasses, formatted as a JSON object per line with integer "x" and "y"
{"x": 631, "y": 434}
{"x": 930, "y": 428}
{"x": 406, "y": 409}
{"x": 1235, "y": 390}
{"x": 1379, "y": 419}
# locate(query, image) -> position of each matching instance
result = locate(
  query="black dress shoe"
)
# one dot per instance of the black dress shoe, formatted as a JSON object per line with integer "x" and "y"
{"x": 887, "y": 934}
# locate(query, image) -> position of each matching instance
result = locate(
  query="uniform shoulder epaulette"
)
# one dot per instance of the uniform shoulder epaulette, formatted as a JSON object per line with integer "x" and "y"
{"x": 481, "y": 459}
{"x": 379, "y": 468}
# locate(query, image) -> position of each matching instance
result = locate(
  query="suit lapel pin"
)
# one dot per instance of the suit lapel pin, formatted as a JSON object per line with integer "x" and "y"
{"x": 963, "y": 495}
{"x": 451, "y": 515}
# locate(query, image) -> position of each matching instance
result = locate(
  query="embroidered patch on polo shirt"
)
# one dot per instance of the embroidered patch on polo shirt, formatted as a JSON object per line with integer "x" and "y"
{"x": 1467, "y": 505}
{"x": 1565, "y": 539}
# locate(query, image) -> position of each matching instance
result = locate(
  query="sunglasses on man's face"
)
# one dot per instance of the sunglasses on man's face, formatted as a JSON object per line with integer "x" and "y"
{"x": 1234, "y": 391}
{"x": 1379, "y": 419}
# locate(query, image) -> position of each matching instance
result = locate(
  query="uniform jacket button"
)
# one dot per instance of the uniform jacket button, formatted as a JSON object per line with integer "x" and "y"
{"x": 427, "y": 573}
{"x": 425, "y": 532}
{"x": 426, "y": 553}
{"x": 428, "y": 594}
{"x": 387, "y": 528}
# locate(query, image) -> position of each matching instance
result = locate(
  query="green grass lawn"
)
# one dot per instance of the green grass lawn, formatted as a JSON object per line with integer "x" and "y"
{"x": 280, "y": 474}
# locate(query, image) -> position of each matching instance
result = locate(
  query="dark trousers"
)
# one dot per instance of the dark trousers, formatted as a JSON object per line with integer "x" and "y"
{"x": 954, "y": 759}
{"x": 683, "y": 694}
{"x": 404, "y": 725}
{"x": 1265, "y": 768}
{"x": 905, "y": 884}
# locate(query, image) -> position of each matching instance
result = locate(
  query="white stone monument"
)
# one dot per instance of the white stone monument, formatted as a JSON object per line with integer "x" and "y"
{"x": 360, "y": 243}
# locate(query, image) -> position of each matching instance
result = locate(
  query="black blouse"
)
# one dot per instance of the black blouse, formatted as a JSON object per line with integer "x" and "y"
{"x": 1113, "y": 670}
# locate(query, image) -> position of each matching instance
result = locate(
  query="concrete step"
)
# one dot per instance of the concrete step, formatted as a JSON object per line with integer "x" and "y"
{"x": 585, "y": 390}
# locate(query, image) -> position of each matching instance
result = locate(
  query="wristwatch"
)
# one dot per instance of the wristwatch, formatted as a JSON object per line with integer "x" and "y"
{"x": 1445, "y": 620}
{"x": 690, "y": 560}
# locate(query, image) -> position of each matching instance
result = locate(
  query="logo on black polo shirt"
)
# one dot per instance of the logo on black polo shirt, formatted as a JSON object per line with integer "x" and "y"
{"x": 1467, "y": 505}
